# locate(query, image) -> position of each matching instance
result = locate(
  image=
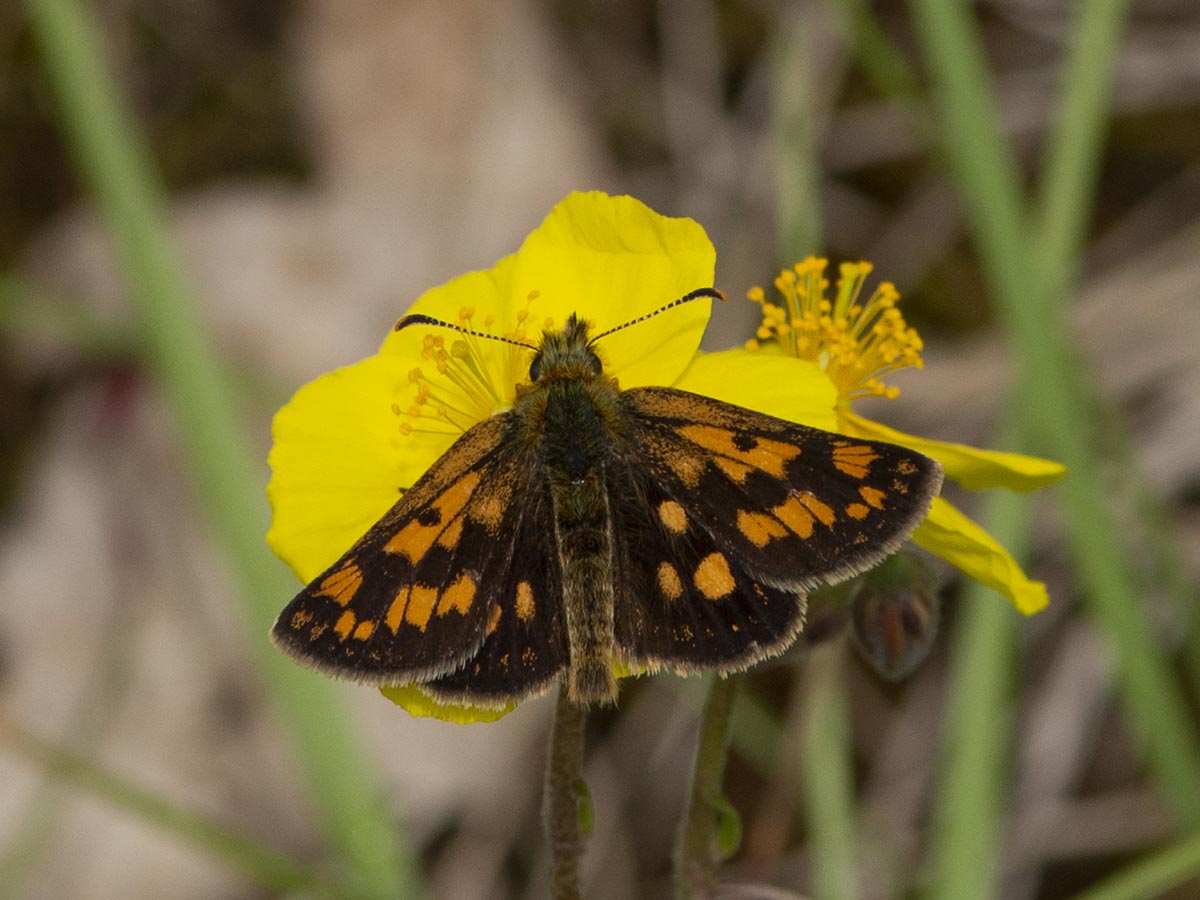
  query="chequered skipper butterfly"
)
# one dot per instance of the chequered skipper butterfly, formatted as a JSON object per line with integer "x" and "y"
{"x": 589, "y": 527}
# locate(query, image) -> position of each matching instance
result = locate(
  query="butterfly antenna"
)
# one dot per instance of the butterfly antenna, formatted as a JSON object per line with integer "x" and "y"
{"x": 420, "y": 319}
{"x": 698, "y": 294}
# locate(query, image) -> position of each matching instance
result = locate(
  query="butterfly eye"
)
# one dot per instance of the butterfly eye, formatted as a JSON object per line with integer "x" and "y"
{"x": 597, "y": 366}
{"x": 535, "y": 368}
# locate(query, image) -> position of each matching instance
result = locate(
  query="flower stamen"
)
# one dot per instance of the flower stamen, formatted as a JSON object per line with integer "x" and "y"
{"x": 467, "y": 380}
{"x": 857, "y": 343}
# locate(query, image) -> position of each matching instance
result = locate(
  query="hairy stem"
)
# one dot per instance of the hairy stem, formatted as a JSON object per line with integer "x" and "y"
{"x": 567, "y": 808}
{"x": 694, "y": 872}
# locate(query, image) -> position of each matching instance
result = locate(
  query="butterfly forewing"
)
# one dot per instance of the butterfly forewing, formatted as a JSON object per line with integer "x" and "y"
{"x": 793, "y": 506}
{"x": 410, "y": 600}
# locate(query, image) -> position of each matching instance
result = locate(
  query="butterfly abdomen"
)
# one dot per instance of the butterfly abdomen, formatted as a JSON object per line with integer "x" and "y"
{"x": 576, "y": 449}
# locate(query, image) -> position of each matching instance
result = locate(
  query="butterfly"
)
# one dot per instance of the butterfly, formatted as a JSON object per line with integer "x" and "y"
{"x": 590, "y": 528}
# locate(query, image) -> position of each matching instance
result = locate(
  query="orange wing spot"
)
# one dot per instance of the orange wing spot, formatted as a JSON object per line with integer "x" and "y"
{"x": 793, "y": 514}
{"x": 457, "y": 597}
{"x": 673, "y": 516}
{"x": 853, "y": 459}
{"x": 735, "y": 470}
{"x": 345, "y": 624}
{"x": 395, "y": 613}
{"x": 759, "y": 528}
{"x": 713, "y": 578}
{"x": 300, "y": 618}
{"x": 364, "y": 630}
{"x": 899, "y": 486}
{"x": 669, "y": 582}
{"x": 759, "y": 453}
{"x": 420, "y": 605}
{"x": 857, "y": 511}
{"x": 450, "y": 537}
{"x": 529, "y": 657}
{"x": 906, "y": 467}
{"x": 317, "y": 630}
{"x": 415, "y": 539}
{"x": 489, "y": 512}
{"x": 872, "y": 496}
{"x": 524, "y": 601}
{"x": 342, "y": 585}
{"x": 494, "y": 618}
{"x": 823, "y": 511}
{"x": 688, "y": 468}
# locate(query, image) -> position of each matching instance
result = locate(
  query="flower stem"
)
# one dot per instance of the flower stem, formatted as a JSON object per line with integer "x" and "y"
{"x": 567, "y": 807}
{"x": 694, "y": 874}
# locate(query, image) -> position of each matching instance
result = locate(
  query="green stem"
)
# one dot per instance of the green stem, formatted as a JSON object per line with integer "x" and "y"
{"x": 695, "y": 874}
{"x": 566, "y": 805}
{"x": 116, "y": 167}
{"x": 269, "y": 868}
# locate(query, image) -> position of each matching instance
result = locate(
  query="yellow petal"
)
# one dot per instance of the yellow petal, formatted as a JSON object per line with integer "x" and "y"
{"x": 338, "y": 461}
{"x": 781, "y": 386}
{"x": 416, "y": 702}
{"x": 948, "y": 533}
{"x": 973, "y": 468}
{"x": 612, "y": 260}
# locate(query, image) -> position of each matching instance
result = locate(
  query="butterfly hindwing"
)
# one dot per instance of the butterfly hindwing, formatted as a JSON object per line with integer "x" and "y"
{"x": 682, "y": 602}
{"x": 410, "y": 600}
{"x": 525, "y": 645}
{"x": 794, "y": 507}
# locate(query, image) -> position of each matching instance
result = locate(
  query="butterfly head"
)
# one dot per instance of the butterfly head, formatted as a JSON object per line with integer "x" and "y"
{"x": 566, "y": 354}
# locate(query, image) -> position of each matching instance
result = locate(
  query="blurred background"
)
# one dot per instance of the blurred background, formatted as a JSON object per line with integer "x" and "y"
{"x": 324, "y": 162}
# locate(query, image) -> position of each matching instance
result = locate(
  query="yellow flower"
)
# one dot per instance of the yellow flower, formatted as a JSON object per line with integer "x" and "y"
{"x": 858, "y": 343}
{"x": 349, "y": 442}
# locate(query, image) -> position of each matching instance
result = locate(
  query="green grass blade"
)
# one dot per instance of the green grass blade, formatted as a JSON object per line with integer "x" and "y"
{"x": 27, "y": 313}
{"x": 1152, "y": 877}
{"x": 266, "y": 866}
{"x": 969, "y": 802}
{"x": 1072, "y": 161}
{"x": 794, "y": 123}
{"x": 828, "y": 779}
{"x": 116, "y": 168}
{"x": 987, "y": 180}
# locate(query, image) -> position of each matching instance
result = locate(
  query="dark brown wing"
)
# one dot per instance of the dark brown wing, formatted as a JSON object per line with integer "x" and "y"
{"x": 680, "y": 601}
{"x": 525, "y": 649}
{"x": 410, "y": 601}
{"x": 749, "y": 513}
